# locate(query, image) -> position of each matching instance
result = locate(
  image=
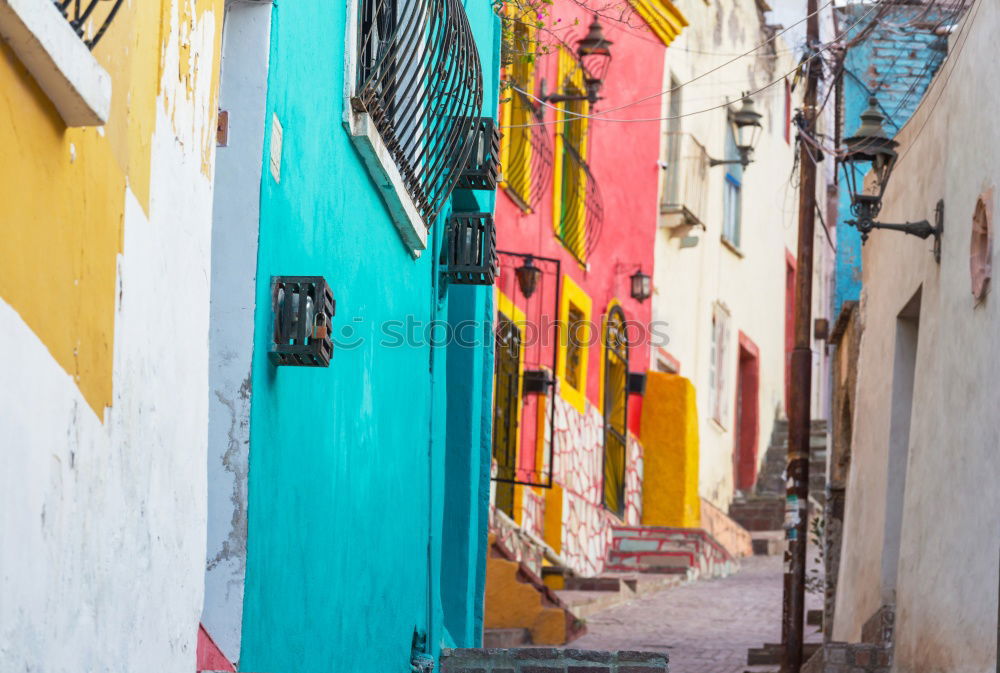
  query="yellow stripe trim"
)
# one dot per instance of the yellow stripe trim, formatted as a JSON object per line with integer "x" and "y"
{"x": 665, "y": 20}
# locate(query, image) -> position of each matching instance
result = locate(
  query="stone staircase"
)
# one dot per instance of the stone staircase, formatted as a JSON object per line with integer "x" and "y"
{"x": 691, "y": 552}
{"x": 519, "y": 608}
{"x": 764, "y": 508}
{"x": 872, "y": 655}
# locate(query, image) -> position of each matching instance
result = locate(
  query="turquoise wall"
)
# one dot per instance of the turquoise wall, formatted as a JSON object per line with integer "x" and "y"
{"x": 896, "y": 65}
{"x": 368, "y": 481}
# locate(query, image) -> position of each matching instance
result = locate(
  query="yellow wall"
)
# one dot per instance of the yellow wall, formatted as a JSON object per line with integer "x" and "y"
{"x": 670, "y": 443}
{"x": 62, "y": 191}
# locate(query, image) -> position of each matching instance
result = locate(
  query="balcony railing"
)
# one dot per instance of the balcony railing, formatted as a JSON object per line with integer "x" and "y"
{"x": 528, "y": 172}
{"x": 581, "y": 214}
{"x": 420, "y": 80}
{"x": 89, "y": 19}
{"x": 685, "y": 181}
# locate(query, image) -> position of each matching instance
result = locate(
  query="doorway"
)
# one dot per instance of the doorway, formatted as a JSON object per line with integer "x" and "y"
{"x": 789, "y": 324}
{"x": 506, "y": 405}
{"x": 904, "y": 369}
{"x": 747, "y": 422}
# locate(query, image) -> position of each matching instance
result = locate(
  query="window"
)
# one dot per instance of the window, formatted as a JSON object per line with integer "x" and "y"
{"x": 788, "y": 111}
{"x": 410, "y": 130}
{"x": 519, "y": 113}
{"x": 732, "y": 205}
{"x": 672, "y": 174}
{"x": 574, "y": 344}
{"x": 717, "y": 380}
{"x": 507, "y": 382}
{"x": 574, "y": 349}
{"x": 569, "y": 205}
{"x": 615, "y": 409}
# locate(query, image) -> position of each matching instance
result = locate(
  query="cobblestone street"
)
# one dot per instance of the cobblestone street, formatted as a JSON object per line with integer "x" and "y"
{"x": 705, "y": 626}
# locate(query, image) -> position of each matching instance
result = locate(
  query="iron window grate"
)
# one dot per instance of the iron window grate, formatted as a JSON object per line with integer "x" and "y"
{"x": 581, "y": 216}
{"x": 86, "y": 20}
{"x": 528, "y": 171}
{"x": 420, "y": 80}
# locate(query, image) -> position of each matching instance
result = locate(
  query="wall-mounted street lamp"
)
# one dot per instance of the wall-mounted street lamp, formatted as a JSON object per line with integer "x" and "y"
{"x": 870, "y": 147}
{"x": 593, "y": 53}
{"x": 746, "y": 128}
{"x": 527, "y": 277}
{"x": 642, "y": 286}
{"x": 303, "y": 308}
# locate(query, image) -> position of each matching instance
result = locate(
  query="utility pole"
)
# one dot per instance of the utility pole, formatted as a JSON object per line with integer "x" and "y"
{"x": 797, "y": 495}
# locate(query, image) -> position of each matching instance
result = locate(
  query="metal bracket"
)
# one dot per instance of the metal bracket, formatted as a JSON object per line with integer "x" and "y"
{"x": 922, "y": 229}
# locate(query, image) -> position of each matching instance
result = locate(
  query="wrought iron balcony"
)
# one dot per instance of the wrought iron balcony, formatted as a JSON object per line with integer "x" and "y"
{"x": 420, "y": 80}
{"x": 89, "y": 18}
{"x": 528, "y": 171}
{"x": 581, "y": 212}
{"x": 685, "y": 181}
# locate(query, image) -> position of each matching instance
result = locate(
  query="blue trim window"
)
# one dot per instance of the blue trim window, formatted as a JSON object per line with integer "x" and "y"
{"x": 731, "y": 210}
{"x": 732, "y": 203}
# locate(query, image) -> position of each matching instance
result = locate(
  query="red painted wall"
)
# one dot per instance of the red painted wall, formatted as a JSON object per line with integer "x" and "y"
{"x": 623, "y": 159}
{"x": 210, "y": 657}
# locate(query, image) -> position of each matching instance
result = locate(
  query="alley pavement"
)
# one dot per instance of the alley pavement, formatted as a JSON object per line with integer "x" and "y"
{"x": 705, "y": 626}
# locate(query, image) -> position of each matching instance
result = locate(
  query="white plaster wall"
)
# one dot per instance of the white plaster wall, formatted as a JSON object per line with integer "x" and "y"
{"x": 947, "y": 577}
{"x": 103, "y": 520}
{"x": 689, "y": 281}
{"x": 243, "y": 93}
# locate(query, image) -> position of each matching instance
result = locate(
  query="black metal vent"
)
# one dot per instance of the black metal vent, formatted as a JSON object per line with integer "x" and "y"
{"x": 420, "y": 80}
{"x": 637, "y": 383}
{"x": 527, "y": 174}
{"x": 86, "y": 20}
{"x": 581, "y": 216}
{"x": 303, "y": 308}
{"x": 537, "y": 381}
{"x": 483, "y": 169}
{"x": 471, "y": 255}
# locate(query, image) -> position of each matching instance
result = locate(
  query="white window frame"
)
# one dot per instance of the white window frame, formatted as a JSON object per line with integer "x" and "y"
{"x": 57, "y": 58}
{"x": 375, "y": 154}
{"x": 718, "y": 379}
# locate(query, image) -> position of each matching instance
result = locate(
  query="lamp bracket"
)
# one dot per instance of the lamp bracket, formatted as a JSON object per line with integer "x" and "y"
{"x": 556, "y": 97}
{"x": 921, "y": 229}
{"x": 712, "y": 163}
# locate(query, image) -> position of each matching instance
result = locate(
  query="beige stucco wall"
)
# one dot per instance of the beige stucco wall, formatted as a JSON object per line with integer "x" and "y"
{"x": 749, "y": 283}
{"x": 947, "y": 576}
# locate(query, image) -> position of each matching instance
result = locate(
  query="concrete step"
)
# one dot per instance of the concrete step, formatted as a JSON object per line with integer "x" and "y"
{"x": 771, "y": 653}
{"x": 768, "y": 542}
{"x": 584, "y": 603}
{"x": 505, "y": 638}
{"x": 691, "y": 552}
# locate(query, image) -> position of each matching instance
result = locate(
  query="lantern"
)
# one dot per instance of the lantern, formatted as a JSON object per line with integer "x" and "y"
{"x": 527, "y": 277}
{"x": 642, "y": 286}
{"x": 594, "y": 53}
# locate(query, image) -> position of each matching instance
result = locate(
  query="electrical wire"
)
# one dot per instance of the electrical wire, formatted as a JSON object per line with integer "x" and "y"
{"x": 593, "y": 117}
